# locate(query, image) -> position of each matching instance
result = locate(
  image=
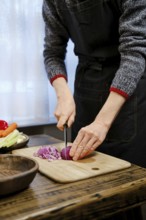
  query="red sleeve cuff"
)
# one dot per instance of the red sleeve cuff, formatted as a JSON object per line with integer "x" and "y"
{"x": 124, "y": 94}
{"x": 57, "y": 76}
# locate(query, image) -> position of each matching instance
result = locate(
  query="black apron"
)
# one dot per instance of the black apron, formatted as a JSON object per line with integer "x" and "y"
{"x": 93, "y": 27}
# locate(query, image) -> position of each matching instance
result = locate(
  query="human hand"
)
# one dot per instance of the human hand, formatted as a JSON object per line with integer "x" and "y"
{"x": 91, "y": 136}
{"x": 88, "y": 139}
{"x": 65, "y": 111}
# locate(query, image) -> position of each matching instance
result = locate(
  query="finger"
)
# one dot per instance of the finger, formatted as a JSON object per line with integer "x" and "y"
{"x": 56, "y": 116}
{"x": 61, "y": 122}
{"x": 88, "y": 146}
{"x": 80, "y": 148}
{"x": 71, "y": 120}
{"x": 57, "y": 113}
{"x": 76, "y": 143}
{"x": 85, "y": 140}
{"x": 78, "y": 152}
{"x": 92, "y": 148}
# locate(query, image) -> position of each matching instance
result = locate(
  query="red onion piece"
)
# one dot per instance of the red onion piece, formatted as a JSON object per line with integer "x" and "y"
{"x": 65, "y": 153}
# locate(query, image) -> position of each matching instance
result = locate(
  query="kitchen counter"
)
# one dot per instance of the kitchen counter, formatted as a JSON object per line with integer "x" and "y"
{"x": 116, "y": 195}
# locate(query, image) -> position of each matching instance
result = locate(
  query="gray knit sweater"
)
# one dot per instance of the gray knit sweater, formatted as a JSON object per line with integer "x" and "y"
{"x": 132, "y": 44}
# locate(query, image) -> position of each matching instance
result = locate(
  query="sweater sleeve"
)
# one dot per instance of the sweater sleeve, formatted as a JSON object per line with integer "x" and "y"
{"x": 56, "y": 39}
{"x": 132, "y": 48}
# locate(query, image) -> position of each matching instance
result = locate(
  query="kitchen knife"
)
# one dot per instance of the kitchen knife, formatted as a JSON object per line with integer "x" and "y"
{"x": 65, "y": 139}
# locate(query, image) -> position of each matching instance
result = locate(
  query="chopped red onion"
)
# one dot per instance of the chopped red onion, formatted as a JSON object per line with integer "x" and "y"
{"x": 48, "y": 152}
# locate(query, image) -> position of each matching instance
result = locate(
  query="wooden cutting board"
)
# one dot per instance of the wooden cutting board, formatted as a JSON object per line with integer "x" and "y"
{"x": 65, "y": 171}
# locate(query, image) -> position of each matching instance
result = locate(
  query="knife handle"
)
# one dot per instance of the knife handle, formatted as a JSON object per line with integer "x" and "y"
{"x": 65, "y": 134}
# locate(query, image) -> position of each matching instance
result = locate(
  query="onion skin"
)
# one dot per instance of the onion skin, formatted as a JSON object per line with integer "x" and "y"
{"x": 65, "y": 153}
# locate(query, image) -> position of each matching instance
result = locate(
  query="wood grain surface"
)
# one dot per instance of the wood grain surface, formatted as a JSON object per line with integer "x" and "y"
{"x": 100, "y": 197}
{"x": 16, "y": 173}
{"x": 69, "y": 171}
{"x": 94, "y": 198}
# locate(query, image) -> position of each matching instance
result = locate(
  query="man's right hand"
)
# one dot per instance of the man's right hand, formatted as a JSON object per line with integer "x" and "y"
{"x": 65, "y": 110}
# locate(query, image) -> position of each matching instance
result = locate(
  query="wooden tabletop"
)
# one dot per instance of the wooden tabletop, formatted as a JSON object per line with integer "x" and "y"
{"x": 94, "y": 198}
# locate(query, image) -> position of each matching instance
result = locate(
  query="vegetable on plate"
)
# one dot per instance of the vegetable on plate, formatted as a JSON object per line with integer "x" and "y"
{"x": 11, "y": 139}
{"x": 8, "y": 130}
{"x": 3, "y": 125}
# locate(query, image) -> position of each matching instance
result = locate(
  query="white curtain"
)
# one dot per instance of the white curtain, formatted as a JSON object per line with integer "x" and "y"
{"x": 26, "y": 95}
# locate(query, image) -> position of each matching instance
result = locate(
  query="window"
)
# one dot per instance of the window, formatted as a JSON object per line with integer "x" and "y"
{"x": 26, "y": 94}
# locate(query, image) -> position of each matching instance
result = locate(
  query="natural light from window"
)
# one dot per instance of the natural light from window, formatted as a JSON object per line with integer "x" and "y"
{"x": 26, "y": 94}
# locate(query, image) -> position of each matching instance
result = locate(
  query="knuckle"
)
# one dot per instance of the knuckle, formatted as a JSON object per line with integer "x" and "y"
{"x": 81, "y": 131}
{"x": 56, "y": 114}
{"x": 87, "y": 148}
{"x": 99, "y": 141}
{"x": 71, "y": 121}
{"x": 95, "y": 135}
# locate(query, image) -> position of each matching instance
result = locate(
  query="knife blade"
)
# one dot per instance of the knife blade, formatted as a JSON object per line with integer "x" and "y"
{"x": 65, "y": 138}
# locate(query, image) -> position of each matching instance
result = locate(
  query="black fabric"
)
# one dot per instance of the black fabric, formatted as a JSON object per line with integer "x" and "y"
{"x": 127, "y": 136}
{"x": 82, "y": 22}
{"x": 98, "y": 62}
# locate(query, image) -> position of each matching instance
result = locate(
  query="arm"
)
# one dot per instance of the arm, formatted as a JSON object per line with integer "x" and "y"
{"x": 132, "y": 28}
{"x": 91, "y": 136}
{"x": 132, "y": 48}
{"x": 56, "y": 38}
{"x": 65, "y": 110}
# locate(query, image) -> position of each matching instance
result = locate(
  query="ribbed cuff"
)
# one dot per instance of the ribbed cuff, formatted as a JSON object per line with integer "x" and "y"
{"x": 56, "y": 77}
{"x": 122, "y": 93}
